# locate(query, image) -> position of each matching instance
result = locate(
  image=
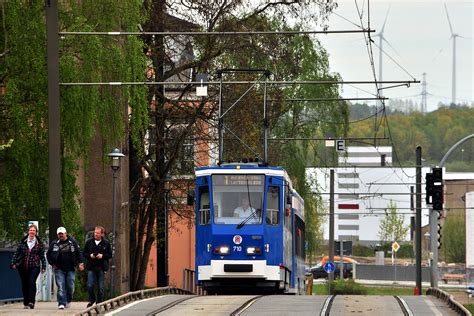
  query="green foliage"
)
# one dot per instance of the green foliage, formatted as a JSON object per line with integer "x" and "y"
{"x": 436, "y": 132}
{"x": 362, "y": 251}
{"x": 322, "y": 289}
{"x": 470, "y": 307}
{"x": 347, "y": 287}
{"x": 405, "y": 250}
{"x": 392, "y": 227}
{"x": 453, "y": 233}
{"x": 86, "y": 112}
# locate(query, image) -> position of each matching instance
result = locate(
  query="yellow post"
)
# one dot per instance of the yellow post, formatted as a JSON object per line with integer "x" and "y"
{"x": 309, "y": 284}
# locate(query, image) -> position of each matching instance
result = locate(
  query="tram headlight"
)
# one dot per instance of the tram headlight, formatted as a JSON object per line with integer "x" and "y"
{"x": 253, "y": 250}
{"x": 222, "y": 250}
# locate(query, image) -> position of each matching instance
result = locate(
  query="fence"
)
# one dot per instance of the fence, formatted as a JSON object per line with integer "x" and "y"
{"x": 404, "y": 273}
{"x": 189, "y": 282}
{"x": 12, "y": 292}
{"x": 390, "y": 273}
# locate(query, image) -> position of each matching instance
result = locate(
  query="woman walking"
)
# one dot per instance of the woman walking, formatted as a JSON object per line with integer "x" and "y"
{"x": 27, "y": 260}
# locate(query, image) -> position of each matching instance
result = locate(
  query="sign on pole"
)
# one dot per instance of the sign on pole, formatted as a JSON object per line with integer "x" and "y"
{"x": 36, "y": 223}
{"x": 329, "y": 267}
{"x": 340, "y": 145}
{"x": 395, "y": 246}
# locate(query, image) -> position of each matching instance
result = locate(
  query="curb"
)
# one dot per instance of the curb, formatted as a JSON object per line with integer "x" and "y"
{"x": 127, "y": 298}
{"x": 448, "y": 299}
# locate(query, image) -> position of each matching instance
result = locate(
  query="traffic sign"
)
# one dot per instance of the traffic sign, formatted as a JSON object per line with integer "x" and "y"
{"x": 395, "y": 246}
{"x": 340, "y": 145}
{"x": 329, "y": 267}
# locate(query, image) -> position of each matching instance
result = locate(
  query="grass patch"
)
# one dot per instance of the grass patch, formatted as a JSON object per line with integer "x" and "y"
{"x": 470, "y": 307}
{"x": 322, "y": 289}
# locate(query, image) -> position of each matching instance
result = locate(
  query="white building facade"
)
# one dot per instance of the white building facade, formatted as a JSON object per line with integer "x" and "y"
{"x": 364, "y": 190}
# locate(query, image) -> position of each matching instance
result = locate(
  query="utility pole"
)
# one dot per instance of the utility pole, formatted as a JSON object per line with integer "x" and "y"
{"x": 434, "y": 247}
{"x": 54, "y": 139}
{"x": 331, "y": 222}
{"x": 418, "y": 289}
{"x": 423, "y": 94}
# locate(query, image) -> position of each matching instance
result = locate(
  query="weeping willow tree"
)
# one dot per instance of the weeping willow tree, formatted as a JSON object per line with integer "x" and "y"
{"x": 86, "y": 112}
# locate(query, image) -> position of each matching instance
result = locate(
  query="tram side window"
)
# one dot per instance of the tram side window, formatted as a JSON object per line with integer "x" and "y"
{"x": 273, "y": 205}
{"x": 204, "y": 207}
{"x": 300, "y": 238}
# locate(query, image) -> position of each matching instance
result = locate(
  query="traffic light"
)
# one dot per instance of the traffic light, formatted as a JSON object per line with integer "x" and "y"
{"x": 429, "y": 188}
{"x": 437, "y": 189}
{"x": 438, "y": 235}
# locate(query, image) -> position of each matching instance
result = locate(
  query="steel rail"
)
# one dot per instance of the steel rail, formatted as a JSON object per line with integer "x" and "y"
{"x": 245, "y": 306}
{"x": 326, "y": 310}
{"x": 168, "y": 306}
{"x": 404, "y": 306}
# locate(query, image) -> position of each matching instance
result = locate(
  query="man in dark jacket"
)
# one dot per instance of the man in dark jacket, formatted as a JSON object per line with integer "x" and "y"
{"x": 64, "y": 255}
{"x": 97, "y": 252}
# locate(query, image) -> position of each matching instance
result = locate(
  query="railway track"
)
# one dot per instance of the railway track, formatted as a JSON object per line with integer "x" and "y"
{"x": 325, "y": 311}
{"x": 279, "y": 305}
{"x": 368, "y": 306}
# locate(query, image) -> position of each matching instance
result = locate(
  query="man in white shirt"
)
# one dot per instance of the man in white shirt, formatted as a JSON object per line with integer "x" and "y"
{"x": 244, "y": 210}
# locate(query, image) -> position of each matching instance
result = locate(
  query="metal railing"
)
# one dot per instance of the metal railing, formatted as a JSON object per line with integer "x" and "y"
{"x": 189, "y": 283}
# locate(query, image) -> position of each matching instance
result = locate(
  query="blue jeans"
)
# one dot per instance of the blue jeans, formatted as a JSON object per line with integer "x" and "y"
{"x": 65, "y": 282}
{"x": 95, "y": 277}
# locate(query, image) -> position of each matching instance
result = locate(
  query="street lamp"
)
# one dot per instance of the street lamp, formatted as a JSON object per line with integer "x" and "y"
{"x": 162, "y": 278}
{"x": 167, "y": 192}
{"x": 115, "y": 156}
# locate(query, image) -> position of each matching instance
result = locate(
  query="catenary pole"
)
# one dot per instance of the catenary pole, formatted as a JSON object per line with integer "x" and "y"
{"x": 54, "y": 140}
{"x": 418, "y": 221}
{"x": 331, "y": 222}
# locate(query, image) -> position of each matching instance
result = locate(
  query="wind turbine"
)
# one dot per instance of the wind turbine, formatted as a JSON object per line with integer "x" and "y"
{"x": 381, "y": 51}
{"x": 381, "y": 39}
{"x": 453, "y": 36}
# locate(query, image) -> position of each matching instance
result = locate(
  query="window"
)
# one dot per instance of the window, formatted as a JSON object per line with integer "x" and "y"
{"x": 184, "y": 164}
{"x": 204, "y": 212}
{"x": 237, "y": 198}
{"x": 273, "y": 206}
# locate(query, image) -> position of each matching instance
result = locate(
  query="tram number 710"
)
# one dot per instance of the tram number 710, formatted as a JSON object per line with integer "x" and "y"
{"x": 238, "y": 248}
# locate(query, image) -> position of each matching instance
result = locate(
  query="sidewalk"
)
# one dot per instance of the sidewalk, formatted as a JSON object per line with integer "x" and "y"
{"x": 42, "y": 308}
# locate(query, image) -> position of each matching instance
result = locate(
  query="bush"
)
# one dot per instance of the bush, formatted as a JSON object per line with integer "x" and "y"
{"x": 347, "y": 287}
{"x": 362, "y": 251}
{"x": 405, "y": 251}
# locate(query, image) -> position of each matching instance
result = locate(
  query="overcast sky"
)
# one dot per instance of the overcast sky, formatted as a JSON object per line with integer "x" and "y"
{"x": 420, "y": 34}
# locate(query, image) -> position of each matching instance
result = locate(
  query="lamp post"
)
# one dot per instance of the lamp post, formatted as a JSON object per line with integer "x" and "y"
{"x": 115, "y": 156}
{"x": 167, "y": 192}
{"x": 162, "y": 237}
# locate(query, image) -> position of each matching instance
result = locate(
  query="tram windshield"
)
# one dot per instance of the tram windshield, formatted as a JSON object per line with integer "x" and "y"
{"x": 237, "y": 198}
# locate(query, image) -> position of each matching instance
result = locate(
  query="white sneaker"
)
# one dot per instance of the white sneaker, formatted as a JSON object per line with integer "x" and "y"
{"x": 61, "y": 307}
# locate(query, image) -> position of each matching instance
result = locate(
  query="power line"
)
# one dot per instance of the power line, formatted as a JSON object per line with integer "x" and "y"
{"x": 222, "y": 33}
{"x": 330, "y": 99}
{"x": 292, "y": 82}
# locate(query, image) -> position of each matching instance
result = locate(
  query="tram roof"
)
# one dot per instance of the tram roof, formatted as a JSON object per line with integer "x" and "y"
{"x": 242, "y": 169}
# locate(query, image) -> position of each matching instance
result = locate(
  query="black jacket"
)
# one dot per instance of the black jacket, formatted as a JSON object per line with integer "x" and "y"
{"x": 54, "y": 252}
{"x": 91, "y": 248}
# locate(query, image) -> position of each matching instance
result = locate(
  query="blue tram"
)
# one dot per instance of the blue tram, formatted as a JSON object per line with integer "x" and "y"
{"x": 249, "y": 230}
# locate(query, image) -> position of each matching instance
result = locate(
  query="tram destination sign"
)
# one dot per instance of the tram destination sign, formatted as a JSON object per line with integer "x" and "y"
{"x": 239, "y": 179}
